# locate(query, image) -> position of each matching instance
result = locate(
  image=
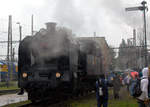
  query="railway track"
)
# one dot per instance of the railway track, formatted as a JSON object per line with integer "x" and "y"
{"x": 55, "y": 103}
{"x": 46, "y": 104}
{"x": 3, "y": 92}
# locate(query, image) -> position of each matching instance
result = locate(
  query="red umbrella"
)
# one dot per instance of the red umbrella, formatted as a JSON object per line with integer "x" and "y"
{"x": 134, "y": 74}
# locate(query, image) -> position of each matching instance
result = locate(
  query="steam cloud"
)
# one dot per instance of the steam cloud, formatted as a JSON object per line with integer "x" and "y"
{"x": 104, "y": 16}
{"x": 68, "y": 15}
{"x": 51, "y": 43}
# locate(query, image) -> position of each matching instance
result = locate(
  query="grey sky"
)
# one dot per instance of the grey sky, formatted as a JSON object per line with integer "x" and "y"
{"x": 106, "y": 17}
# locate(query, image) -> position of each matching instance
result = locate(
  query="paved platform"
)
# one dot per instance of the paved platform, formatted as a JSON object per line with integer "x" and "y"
{"x": 12, "y": 98}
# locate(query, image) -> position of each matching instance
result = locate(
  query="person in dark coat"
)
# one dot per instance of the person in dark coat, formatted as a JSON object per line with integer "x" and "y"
{"x": 116, "y": 86}
{"x": 102, "y": 91}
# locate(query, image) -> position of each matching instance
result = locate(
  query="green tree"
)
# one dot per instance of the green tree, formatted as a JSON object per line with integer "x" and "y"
{"x": 121, "y": 60}
{"x": 113, "y": 58}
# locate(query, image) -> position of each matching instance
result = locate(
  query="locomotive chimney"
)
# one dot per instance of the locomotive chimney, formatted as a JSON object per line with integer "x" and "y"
{"x": 51, "y": 26}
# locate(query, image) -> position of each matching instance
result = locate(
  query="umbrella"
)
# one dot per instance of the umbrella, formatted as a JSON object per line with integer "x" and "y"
{"x": 134, "y": 74}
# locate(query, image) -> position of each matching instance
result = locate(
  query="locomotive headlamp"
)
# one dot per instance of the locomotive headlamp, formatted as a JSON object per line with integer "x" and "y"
{"x": 24, "y": 75}
{"x": 58, "y": 75}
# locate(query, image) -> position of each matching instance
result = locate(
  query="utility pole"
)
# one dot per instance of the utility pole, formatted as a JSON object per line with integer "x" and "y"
{"x": 32, "y": 25}
{"x": 134, "y": 37}
{"x": 135, "y": 48}
{"x": 9, "y": 50}
{"x": 13, "y": 55}
{"x": 142, "y": 8}
{"x": 20, "y": 31}
{"x": 94, "y": 36}
{"x": 8, "y": 45}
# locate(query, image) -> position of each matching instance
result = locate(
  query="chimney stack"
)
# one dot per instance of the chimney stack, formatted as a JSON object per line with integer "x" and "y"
{"x": 51, "y": 26}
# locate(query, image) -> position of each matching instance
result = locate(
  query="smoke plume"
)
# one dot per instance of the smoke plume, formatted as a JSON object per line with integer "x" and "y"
{"x": 51, "y": 43}
{"x": 68, "y": 15}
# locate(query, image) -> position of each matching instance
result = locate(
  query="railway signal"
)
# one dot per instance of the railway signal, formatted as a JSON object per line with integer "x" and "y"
{"x": 142, "y": 8}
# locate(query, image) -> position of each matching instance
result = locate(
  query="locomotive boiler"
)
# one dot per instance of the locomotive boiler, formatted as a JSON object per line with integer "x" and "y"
{"x": 54, "y": 63}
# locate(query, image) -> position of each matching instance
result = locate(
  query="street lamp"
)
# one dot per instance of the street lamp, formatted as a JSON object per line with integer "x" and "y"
{"x": 20, "y": 31}
{"x": 142, "y": 8}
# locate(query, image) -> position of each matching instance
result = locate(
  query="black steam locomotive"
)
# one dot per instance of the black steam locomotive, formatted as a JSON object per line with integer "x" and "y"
{"x": 53, "y": 63}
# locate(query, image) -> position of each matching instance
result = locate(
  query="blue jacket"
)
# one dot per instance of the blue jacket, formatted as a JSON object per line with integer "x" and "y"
{"x": 104, "y": 89}
{"x": 131, "y": 87}
{"x": 148, "y": 87}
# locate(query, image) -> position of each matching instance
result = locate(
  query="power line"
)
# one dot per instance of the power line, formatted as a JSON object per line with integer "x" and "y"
{"x": 14, "y": 42}
{"x": 127, "y": 47}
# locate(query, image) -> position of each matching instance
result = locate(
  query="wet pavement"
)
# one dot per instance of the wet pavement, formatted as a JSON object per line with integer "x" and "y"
{"x": 12, "y": 98}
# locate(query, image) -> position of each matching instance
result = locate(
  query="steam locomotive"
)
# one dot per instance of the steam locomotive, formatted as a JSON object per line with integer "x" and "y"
{"x": 54, "y": 63}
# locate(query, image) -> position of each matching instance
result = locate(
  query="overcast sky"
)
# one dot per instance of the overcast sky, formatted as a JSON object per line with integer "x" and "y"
{"x": 105, "y": 17}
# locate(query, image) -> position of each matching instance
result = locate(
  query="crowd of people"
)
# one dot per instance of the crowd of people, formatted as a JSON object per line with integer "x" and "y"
{"x": 136, "y": 82}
